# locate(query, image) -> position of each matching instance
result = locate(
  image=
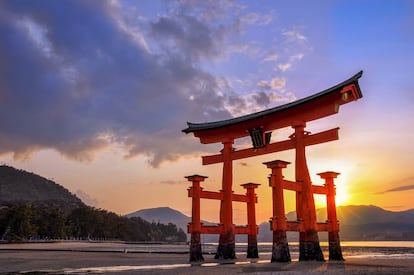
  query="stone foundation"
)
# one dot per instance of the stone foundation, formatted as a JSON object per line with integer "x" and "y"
{"x": 309, "y": 248}
{"x": 196, "y": 254}
{"x": 280, "y": 247}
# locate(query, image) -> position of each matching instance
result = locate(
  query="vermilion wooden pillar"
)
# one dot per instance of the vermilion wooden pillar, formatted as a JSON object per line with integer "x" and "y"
{"x": 335, "y": 252}
{"x": 309, "y": 247}
{"x": 227, "y": 244}
{"x": 196, "y": 253}
{"x": 252, "y": 251}
{"x": 280, "y": 247}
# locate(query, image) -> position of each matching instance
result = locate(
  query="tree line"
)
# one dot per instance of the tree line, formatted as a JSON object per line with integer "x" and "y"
{"x": 28, "y": 221}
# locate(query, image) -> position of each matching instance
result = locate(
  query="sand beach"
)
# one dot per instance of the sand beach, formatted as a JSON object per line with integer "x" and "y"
{"x": 121, "y": 258}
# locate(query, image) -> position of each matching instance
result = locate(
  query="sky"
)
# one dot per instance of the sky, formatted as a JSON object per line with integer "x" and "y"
{"x": 94, "y": 95}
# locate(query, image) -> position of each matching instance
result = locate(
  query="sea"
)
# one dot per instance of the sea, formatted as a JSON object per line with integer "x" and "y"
{"x": 388, "y": 249}
{"x": 355, "y": 249}
{"x": 378, "y": 250}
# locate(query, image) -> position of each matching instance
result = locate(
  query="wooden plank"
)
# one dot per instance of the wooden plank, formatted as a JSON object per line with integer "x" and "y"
{"x": 241, "y": 230}
{"x": 211, "y": 195}
{"x": 318, "y": 189}
{"x": 294, "y": 226}
{"x": 291, "y": 185}
{"x": 240, "y": 198}
{"x": 211, "y": 229}
{"x": 323, "y": 226}
{"x": 313, "y": 139}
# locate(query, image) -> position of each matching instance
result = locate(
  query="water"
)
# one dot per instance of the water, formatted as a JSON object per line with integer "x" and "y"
{"x": 379, "y": 250}
{"x": 360, "y": 249}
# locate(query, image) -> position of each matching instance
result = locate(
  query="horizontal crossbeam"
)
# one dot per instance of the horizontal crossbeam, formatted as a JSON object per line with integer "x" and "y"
{"x": 325, "y": 136}
{"x": 219, "y": 196}
{"x": 218, "y": 229}
{"x": 297, "y": 226}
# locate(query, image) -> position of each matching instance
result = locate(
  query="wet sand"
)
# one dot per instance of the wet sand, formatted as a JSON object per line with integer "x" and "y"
{"x": 82, "y": 258}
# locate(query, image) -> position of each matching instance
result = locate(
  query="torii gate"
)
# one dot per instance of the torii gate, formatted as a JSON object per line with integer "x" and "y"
{"x": 259, "y": 126}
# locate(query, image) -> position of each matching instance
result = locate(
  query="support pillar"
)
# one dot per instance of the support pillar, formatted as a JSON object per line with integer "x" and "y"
{"x": 252, "y": 251}
{"x": 309, "y": 247}
{"x": 335, "y": 252}
{"x": 280, "y": 247}
{"x": 227, "y": 243}
{"x": 194, "y": 227}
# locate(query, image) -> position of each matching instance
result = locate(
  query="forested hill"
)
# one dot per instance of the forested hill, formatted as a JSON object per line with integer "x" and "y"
{"x": 35, "y": 208}
{"x": 18, "y": 186}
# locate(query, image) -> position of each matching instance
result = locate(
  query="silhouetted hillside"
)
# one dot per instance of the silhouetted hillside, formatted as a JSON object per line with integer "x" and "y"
{"x": 18, "y": 186}
{"x": 163, "y": 215}
{"x": 362, "y": 222}
{"x": 35, "y": 208}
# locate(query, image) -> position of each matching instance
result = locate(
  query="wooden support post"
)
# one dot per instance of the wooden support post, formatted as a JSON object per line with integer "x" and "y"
{"x": 335, "y": 252}
{"x": 227, "y": 243}
{"x": 194, "y": 227}
{"x": 252, "y": 251}
{"x": 280, "y": 247}
{"x": 309, "y": 247}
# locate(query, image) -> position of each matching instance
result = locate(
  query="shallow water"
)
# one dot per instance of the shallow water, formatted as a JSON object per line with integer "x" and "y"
{"x": 173, "y": 258}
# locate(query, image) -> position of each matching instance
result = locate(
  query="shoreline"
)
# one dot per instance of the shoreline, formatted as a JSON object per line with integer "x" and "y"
{"x": 120, "y": 258}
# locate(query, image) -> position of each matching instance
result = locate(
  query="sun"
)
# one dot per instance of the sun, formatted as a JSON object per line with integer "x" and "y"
{"x": 343, "y": 196}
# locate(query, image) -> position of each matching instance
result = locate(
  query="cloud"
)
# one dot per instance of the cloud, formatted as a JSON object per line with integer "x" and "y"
{"x": 271, "y": 57}
{"x": 86, "y": 198}
{"x": 81, "y": 76}
{"x": 295, "y": 35}
{"x": 76, "y": 80}
{"x": 275, "y": 83}
{"x": 284, "y": 66}
{"x": 257, "y": 19}
{"x": 401, "y": 187}
{"x": 171, "y": 182}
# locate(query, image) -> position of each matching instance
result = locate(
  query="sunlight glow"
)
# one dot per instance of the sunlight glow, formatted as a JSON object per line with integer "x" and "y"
{"x": 342, "y": 197}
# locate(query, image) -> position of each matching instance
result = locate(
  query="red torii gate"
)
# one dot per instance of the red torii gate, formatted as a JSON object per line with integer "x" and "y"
{"x": 259, "y": 126}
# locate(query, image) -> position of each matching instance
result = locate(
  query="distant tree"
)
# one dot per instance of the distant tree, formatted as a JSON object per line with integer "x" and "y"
{"x": 27, "y": 221}
{"x": 50, "y": 223}
{"x": 20, "y": 222}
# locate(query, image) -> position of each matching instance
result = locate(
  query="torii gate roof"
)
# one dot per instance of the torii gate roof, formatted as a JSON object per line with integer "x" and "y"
{"x": 313, "y": 107}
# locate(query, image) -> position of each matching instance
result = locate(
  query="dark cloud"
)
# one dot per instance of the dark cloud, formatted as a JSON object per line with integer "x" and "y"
{"x": 262, "y": 98}
{"x": 170, "y": 182}
{"x": 74, "y": 80}
{"x": 401, "y": 187}
{"x": 78, "y": 76}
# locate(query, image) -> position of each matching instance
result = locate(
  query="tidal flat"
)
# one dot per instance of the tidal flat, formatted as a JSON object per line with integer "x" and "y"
{"x": 123, "y": 258}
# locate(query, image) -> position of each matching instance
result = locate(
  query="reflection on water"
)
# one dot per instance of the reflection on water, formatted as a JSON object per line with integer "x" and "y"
{"x": 102, "y": 269}
{"x": 378, "y": 250}
{"x": 368, "y": 250}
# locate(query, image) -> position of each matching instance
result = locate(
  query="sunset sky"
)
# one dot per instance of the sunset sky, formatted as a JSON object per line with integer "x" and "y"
{"x": 94, "y": 95}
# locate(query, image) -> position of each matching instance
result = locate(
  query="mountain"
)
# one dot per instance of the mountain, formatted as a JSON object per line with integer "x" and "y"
{"x": 357, "y": 222}
{"x": 18, "y": 186}
{"x": 35, "y": 208}
{"x": 360, "y": 222}
{"x": 163, "y": 215}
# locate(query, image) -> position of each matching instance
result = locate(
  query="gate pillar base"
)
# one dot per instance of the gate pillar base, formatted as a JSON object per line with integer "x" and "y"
{"x": 227, "y": 246}
{"x": 196, "y": 254}
{"x": 252, "y": 251}
{"x": 309, "y": 248}
{"x": 280, "y": 247}
{"x": 226, "y": 251}
{"x": 335, "y": 252}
